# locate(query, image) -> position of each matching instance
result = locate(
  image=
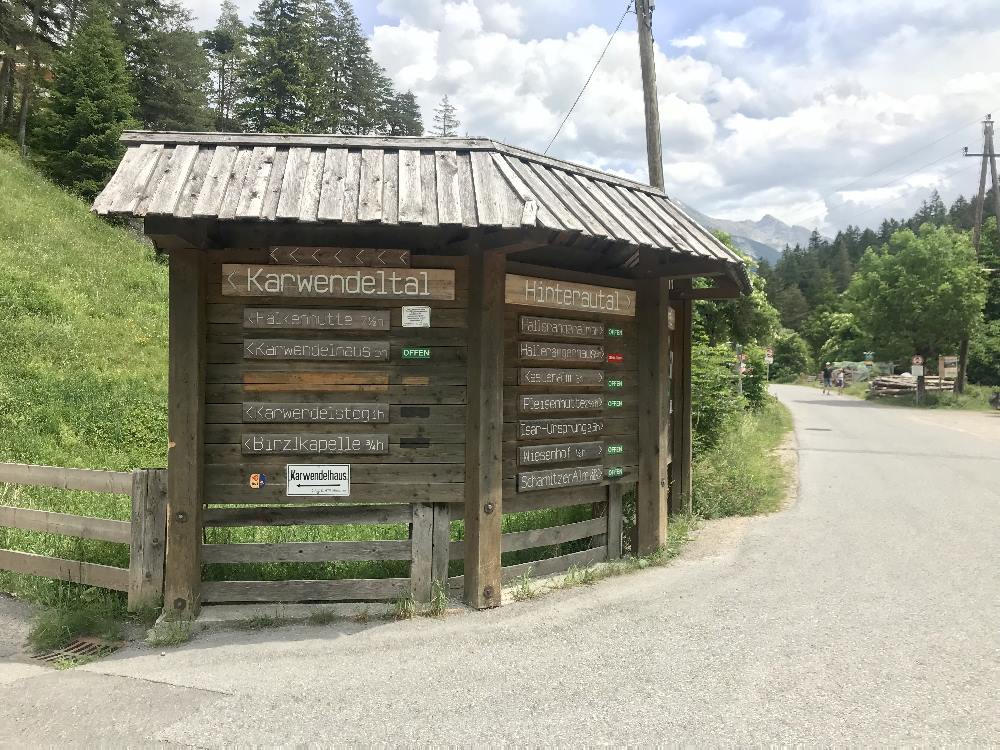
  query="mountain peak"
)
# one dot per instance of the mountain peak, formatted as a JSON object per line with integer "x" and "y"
{"x": 764, "y": 239}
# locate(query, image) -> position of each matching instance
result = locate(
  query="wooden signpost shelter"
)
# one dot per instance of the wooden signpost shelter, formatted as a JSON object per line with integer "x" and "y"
{"x": 414, "y": 331}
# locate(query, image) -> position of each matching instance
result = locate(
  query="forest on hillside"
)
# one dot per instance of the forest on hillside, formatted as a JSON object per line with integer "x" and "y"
{"x": 75, "y": 73}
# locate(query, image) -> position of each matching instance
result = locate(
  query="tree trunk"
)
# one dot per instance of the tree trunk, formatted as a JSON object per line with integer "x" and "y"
{"x": 6, "y": 63}
{"x": 963, "y": 364}
{"x": 921, "y": 390}
{"x": 27, "y": 89}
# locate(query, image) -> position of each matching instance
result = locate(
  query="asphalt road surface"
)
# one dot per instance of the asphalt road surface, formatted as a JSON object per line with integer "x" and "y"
{"x": 867, "y": 612}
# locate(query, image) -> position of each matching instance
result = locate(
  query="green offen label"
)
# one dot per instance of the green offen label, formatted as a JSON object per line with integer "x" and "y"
{"x": 415, "y": 353}
{"x": 616, "y": 384}
{"x": 615, "y": 450}
{"x": 614, "y": 403}
{"x": 617, "y": 332}
{"x": 615, "y": 471}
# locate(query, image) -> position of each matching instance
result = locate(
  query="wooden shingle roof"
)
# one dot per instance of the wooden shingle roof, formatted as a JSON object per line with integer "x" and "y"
{"x": 458, "y": 182}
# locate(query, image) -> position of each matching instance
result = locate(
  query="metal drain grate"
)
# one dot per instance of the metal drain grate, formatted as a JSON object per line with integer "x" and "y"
{"x": 79, "y": 651}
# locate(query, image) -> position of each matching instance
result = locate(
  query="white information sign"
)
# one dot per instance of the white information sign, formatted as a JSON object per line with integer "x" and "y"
{"x": 917, "y": 370}
{"x": 769, "y": 356}
{"x": 318, "y": 480}
{"x": 416, "y": 316}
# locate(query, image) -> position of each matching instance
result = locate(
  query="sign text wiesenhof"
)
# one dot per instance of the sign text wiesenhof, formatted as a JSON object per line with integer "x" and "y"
{"x": 241, "y": 280}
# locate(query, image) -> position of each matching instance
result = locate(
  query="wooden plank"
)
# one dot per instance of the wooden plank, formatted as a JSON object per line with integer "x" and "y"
{"x": 228, "y": 475}
{"x": 315, "y": 516}
{"x": 400, "y": 450}
{"x": 316, "y": 378}
{"x": 297, "y": 444}
{"x": 434, "y": 433}
{"x": 85, "y": 527}
{"x": 553, "y": 565}
{"x": 559, "y": 402}
{"x": 311, "y": 319}
{"x": 174, "y": 179}
{"x": 185, "y": 424}
{"x": 322, "y": 350}
{"x": 196, "y": 179}
{"x": 541, "y": 429}
{"x": 484, "y": 431}
{"x": 559, "y": 376}
{"x": 571, "y": 496}
{"x": 449, "y": 200}
{"x": 522, "y": 540}
{"x": 134, "y": 183}
{"x": 615, "y": 519}
{"x": 547, "y": 479}
{"x": 145, "y": 196}
{"x": 58, "y": 569}
{"x": 489, "y": 199}
{"x": 410, "y": 196}
{"x": 213, "y": 189}
{"x": 548, "y": 351}
{"x": 119, "y": 182}
{"x": 352, "y": 187}
{"x": 255, "y": 185}
{"x": 565, "y": 295}
{"x": 654, "y": 415}
{"x": 370, "y": 493}
{"x": 234, "y": 186}
{"x": 149, "y": 538}
{"x": 248, "y": 280}
{"x": 313, "y": 187}
{"x": 331, "y": 199}
{"x": 305, "y": 552}
{"x": 371, "y": 185}
{"x": 589, "y": 221}
{"x": 293, "y": 183}
{"x": 428, "y": 190}
{"x": 390, "y": 187}
{"x": 269, "y": 209}
{"x": 531, "y": 325}
{"x": 530, "y": 209}
{"x": 85, "y": 480}
{"x": 467, "y": 192}
{"x": 422, "y": 538}
{"x": 553, "y": 453}
{"x": 441, "y": 553}
{"x": 367, "y": 589}
{"x": 551, "y": 201}
{"x": 681, "y": 426}
{"x": 260, "y": 412}
{"x": 340, "y": 256}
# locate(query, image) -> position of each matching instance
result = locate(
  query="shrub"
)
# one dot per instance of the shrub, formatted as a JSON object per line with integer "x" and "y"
{"x": 791, "y": 357}
{"x": 715, "y": 403}
{"x": 755, "y": 378}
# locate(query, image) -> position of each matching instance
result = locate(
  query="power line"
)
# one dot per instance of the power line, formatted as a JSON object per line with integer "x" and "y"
{"x": 590, "y": 77}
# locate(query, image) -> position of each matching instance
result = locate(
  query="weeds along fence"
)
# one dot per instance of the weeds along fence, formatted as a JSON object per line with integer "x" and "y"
{"x": 144, "y": 534}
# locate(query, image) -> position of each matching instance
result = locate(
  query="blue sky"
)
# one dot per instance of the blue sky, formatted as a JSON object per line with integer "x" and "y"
{"x": 784, "y": 108}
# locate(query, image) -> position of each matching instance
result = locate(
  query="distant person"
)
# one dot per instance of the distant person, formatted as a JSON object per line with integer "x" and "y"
{"x": 840, "y": 380}
{"x": 827, "y": 378}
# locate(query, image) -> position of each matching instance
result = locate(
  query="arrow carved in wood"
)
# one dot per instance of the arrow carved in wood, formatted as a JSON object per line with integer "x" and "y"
{"x": 230, "y": 280}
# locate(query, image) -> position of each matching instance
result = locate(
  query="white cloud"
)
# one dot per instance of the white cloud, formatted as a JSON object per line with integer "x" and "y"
{"x": 689, "y": 42}
{"x": 734, "y": 39}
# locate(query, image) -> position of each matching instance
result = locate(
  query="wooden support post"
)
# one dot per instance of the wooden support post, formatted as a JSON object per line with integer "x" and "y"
{"x": 149, "y": 538}
{"x": 654, "y": 401}
{"x": 680, "y": 465}
{"x": 615, "y": 493}
{"x": 186, "y": 404}
{"x": 442, "y": 543}
{"x": 484, "y": 430}
{"x": 422, "y": 542}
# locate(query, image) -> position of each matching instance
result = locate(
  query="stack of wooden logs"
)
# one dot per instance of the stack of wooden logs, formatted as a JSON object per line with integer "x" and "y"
{"x": 898, "y": 385}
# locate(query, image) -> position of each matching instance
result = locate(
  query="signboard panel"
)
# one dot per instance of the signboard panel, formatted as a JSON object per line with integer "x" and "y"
{"x": 318, "y": 480}
{"x": 548, "y": 351}
{"x": 281, "y": 444}
{"x": 558, "y": 453}
{"x": 560, "y": 402}
{"x": 570, "y": 329}
{"x": 304, "y": 413}
{"x": 539, "y": 429}
{"x": 316, "y": 320}
{"x": 554, "y": 376}
{"x": 566, "y": 295}
{"x": 242, "y": 280}
{"x": 307, "y": 349}
{"x": 340, "y": 256}
{"x": 550, "y": 479}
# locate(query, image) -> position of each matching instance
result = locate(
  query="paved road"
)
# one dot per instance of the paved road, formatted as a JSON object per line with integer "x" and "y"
{"x": 868, "y": 612}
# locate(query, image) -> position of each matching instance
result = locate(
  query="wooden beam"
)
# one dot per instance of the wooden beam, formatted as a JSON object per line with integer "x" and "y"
{"x": 84, "y": 527}
{"x": 680, "y": 465}
{"x": 149, "y": 538}
{"x": 185, "y": 415}
{"x": 85, "y": 480}
{"x": 484, "y": 430}
{"x": 654, "y": 437}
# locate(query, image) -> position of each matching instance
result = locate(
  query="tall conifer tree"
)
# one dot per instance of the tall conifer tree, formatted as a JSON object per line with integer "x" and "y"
{"x": 275, "y": 76}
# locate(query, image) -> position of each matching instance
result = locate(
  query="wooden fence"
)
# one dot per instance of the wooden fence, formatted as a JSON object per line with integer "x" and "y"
{"x": 145, "y": 533}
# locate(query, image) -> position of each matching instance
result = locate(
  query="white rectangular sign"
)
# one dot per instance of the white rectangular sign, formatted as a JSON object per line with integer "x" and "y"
{"x": 416, "y": 316}
{"x": 318, "y": 480}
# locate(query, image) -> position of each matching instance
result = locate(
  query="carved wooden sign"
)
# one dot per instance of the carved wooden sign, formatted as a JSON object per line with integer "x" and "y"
{"x": 560, "y": 453}
{"x": 242, "y": 280}
{"x": 539, "y": 429}
{"x": 549, "y": 479}
{"x": 316, "y": 320}
{"x": 561, "y": 402}
{"x": 256, "y": 412}
{"x": 567, "y": 295}
{"x": 548, "y": 351}
{"x": 340, "y": 256}
{"x": 562, "y": 328}
{"x": 554, "y": 376}
{"x": 281, "y": 444}
{"x": 308, "y": 349}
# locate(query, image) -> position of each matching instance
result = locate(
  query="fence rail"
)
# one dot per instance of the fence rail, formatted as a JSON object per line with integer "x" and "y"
{"x": 145, "y": 533}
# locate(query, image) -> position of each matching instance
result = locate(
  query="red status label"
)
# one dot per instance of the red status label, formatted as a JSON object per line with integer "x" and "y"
{"x": 616, "y": 358}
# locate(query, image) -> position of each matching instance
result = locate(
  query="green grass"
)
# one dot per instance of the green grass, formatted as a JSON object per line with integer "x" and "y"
{"x": 741, "y": 476}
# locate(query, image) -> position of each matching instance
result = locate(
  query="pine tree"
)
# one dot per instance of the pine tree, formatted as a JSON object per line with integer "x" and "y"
{"x": 87, "y": 110}
{"x": 445, "y": 122}
{"x": 404, "y": 115}
{"x": 275, "y": 76}
{"x": 225, "y": 45}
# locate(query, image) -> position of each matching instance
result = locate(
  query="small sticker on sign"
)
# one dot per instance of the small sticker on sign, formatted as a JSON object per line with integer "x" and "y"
{"x": 258, "y": 481}
{"x": 416, "y": 316}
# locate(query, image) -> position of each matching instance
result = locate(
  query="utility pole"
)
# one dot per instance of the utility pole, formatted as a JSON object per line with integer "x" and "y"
{"x": 989, "y": 159}
{"x": 654, "y": 150}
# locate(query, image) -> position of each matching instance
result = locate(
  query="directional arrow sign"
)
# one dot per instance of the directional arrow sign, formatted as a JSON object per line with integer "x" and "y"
{"x": 293, "y": 255}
